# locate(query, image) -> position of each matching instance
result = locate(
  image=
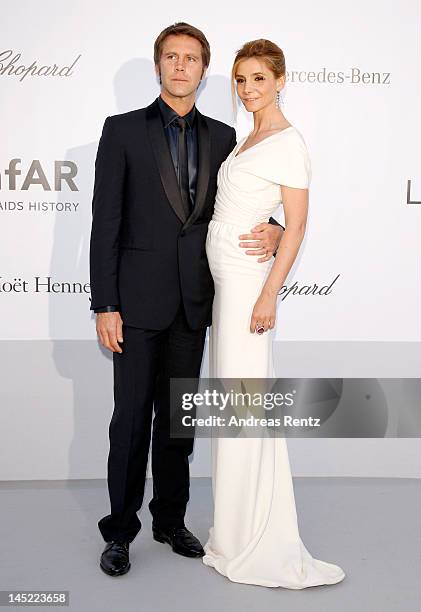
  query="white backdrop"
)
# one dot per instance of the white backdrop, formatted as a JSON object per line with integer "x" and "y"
{"x": 353, "y": 91}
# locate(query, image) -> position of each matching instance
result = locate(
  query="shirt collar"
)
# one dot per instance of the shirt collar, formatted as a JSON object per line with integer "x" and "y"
{"x": 169, "y": 114}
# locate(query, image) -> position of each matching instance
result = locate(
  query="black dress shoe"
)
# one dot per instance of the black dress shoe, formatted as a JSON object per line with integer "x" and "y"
{"x": 180, "y": 539}
{"x": 115, "y": 558}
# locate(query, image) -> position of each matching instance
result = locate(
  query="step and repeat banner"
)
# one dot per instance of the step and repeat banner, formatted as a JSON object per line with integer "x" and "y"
{"x": 353, "y": 91}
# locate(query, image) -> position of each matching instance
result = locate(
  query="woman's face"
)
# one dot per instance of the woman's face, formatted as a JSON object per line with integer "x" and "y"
{"x": 256, "y": 84}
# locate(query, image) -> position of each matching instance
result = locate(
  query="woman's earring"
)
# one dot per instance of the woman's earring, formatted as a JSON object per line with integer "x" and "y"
{"x": 278, "y": 96}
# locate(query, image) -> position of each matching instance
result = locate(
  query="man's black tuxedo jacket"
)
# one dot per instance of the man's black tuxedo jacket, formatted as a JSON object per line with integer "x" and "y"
{"x": 146, "y": 254}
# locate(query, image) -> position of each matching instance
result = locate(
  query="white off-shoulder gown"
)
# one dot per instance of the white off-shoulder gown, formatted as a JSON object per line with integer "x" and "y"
{"x": 254, "y": 538}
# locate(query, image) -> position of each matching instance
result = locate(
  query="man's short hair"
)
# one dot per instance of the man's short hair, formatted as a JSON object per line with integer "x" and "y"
{"x": 188, "y": 30}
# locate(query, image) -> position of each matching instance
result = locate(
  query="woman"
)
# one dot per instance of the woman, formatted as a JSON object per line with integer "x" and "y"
{"x": 255, "y": 537}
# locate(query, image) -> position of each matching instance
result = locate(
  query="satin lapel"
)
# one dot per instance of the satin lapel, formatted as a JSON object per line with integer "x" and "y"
{"x": 164, "y": 161}
{"x": 203, "y": 169}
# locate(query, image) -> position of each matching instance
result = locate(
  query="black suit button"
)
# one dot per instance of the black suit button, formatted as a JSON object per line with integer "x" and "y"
{"x": 183, "y": 233}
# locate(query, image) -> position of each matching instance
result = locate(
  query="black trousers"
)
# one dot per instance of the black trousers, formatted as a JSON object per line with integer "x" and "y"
{"x": 142, "y": 375}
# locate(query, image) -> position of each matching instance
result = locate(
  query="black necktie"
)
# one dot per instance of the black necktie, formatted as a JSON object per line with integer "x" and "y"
{"x": 183, "y": 169}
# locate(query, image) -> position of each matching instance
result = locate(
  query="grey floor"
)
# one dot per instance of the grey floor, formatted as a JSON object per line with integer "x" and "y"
{"x": 371, "y": 527}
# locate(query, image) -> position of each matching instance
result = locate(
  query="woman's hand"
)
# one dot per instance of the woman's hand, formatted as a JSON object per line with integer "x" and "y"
{"x": 264, "y": 312}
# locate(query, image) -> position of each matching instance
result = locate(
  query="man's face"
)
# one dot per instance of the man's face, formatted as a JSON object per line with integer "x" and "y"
{"x": 181, "y": 66}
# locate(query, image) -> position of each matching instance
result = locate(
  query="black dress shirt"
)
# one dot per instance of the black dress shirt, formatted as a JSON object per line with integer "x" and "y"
{"x": 172, "y": 132}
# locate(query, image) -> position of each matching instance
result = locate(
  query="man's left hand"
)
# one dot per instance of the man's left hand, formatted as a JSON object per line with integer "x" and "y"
{"x": 266, "y": 238}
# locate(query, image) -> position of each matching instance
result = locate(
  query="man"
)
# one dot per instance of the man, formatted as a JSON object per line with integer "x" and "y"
{"x": 155, "y": 186}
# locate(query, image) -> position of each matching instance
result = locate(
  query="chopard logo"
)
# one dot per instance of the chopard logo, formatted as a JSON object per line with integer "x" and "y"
{"x": 10, "y": 65}
{"x": 315, "y": 289}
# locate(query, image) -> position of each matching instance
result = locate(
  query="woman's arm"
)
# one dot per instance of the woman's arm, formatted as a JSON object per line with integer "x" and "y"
{"x": 295, "y": 202}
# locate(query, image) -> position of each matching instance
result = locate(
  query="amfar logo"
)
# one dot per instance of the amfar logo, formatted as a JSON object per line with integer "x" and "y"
{"x": 64, "y": 171}
{"x": 10, "y": 66}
